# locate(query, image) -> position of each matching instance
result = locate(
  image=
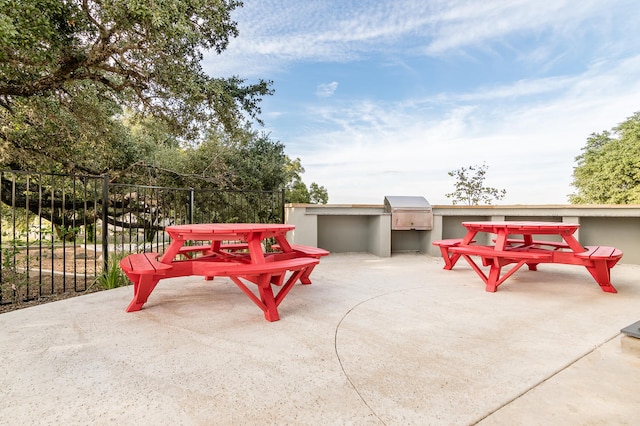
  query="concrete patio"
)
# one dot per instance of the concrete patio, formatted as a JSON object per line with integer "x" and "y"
{"x": 373, "y": 341}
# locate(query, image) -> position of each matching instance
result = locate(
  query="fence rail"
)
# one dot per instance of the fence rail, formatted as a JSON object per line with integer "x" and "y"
{"x": 58, "y": 231}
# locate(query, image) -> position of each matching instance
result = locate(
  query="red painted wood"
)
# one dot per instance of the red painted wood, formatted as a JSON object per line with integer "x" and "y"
{"x": 143, "y": 262}
{"x": 519, "y": 251}
{"x": 235, "y": 251}
{"x": 490, "y": 251}
{"x": 600, "y": 252}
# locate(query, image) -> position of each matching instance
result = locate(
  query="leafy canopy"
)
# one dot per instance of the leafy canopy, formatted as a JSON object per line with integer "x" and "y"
{"x": 608, "y": 170}
{"x": 470, "y": 189}
{"x": 68, "y": 68}
{"x": 117, "y": 86}
{"x": 246, "y": 160}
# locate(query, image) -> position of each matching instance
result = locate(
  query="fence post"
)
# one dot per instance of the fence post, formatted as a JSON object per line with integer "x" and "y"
{"x": 191, "y": 204}
{"x": 105, "y": 224}
{"x": 1, "y": 177}
{"x": 282, "y": 205}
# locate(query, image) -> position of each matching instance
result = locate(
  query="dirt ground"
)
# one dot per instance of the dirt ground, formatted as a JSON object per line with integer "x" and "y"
{"x": 52, "y": 275}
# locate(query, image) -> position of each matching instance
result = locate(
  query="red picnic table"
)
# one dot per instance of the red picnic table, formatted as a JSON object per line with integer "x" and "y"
{"x": 233, "y": 250}
{"x": 515, "y": 244}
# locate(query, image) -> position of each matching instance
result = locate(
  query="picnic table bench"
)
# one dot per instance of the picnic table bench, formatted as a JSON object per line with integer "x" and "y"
{"x": 266, "y": 274}
{"x": 302, "y": 250}
{"x": 599, "y": 260}
{"x": 497, "y": 259}
{"x": 445, "y": 246}
{"x": 144, "y": 271}
{"x": 187, "y": 251}
{"x": 557, "y": 245}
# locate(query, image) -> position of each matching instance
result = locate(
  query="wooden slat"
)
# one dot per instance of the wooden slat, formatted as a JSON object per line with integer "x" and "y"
{"x": 276, "y": 267}
{"x": 143, "y": 263}
{"x": 488, "y": 251}
{"x": 557, "y": 244}
{"x": 306, "y": 250}
{"x": 451, "y": 242}
{"x": 600, "y": 252}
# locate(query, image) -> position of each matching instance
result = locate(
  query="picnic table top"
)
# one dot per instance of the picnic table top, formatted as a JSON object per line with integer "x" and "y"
{"x": 523, "y": 226}
{"x": 214, "y": 228}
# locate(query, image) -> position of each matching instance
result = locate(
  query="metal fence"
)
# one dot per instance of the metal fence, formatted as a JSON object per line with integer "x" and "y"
{"x": 58, "y": 231}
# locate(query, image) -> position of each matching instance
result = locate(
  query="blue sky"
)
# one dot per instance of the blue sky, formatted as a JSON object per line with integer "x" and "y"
{"x": 385, "y": 97}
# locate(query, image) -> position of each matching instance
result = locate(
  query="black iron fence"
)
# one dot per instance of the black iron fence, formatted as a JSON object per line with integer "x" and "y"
{"x": 58, "y": 231}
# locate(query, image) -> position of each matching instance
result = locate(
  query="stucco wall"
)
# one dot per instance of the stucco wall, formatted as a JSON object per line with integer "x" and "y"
{"x": 367, "y": 228}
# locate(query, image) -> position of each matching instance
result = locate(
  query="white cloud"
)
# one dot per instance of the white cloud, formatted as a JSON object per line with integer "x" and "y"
{"x": 527, "y": 128}
{"x": 274, "y": 34}
{"x": 371, "y": 150}
{"x": 326, "y": 90}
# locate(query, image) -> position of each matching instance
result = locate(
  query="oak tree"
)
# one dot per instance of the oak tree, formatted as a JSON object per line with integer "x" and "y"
{"x": 608, "y": 169}
{"x": 67, "y": 69}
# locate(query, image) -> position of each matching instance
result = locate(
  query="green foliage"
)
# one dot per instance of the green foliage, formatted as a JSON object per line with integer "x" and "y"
{"x": 67, "y": 70}
{"x": 245, "y": 160}
{"x": 14, "y": 281}
{"x": 77, "y": 131}
{"x": 112, "y": 276}
{"x": 318, "y": 194}
{"x": 117, "y": 87}
{"x": 296, "y": 191}
{"x": 608, "y": 170}
{"x": 470, "y": 189}
{"x": 257, "y": 163}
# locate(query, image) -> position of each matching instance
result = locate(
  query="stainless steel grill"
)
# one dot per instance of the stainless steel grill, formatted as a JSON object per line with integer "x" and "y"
{"x": 409, "y": 213}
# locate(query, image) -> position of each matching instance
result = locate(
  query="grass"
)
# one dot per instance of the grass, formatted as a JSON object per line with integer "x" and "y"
{"x": 112, "y": 276}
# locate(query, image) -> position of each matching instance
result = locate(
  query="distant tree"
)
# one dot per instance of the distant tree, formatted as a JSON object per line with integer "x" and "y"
{"x": 608, "y": 170}
{"x": 470, "y": 189}
{"x": 257, "y": 163}
{"x": 243, "y": 160}
{"x": 318, "y": 194}
{"x": 297, "y": 192}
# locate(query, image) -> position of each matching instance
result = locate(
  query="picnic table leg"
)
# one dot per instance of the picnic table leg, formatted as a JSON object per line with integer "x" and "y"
{"x": 494, "y": 277}
{"x": 143, "y": 285}
{"x": 287, "y": 287}
{"x": 450, "y": 259}
{"x": 266, "y": 296}
{"x": 267, "y": 301}
{"x": 501, "y": 241}
{"x": 601, "y": 272}
{"x": 532, "y": 266}
{"x": 493, "y": 280}
{"x": 255, "y": 250}
{"x": 304, "y": 278}
{"x": 283, "y": 243}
